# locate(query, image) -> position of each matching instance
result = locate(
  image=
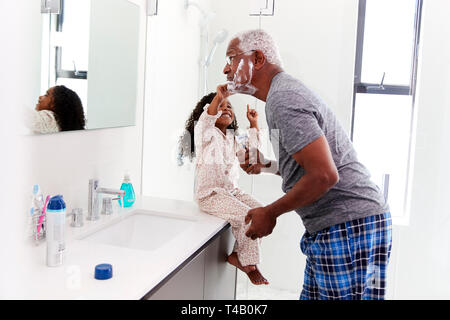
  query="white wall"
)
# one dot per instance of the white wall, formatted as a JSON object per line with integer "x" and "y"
{"x": 60, "y": 163}
{"x": 12, "y": 160}
{"x": 316, "y": 40}
{"x": 422, "y": 249}
{"x": 172, "y": 83}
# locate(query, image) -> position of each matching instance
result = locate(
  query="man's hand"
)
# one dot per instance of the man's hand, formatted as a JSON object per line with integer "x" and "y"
{"x": 262, "y": 223}
{"x": 252, "y": 167}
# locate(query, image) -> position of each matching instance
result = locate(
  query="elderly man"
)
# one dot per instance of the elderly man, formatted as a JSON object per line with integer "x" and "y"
{"x": 348, "y": 234}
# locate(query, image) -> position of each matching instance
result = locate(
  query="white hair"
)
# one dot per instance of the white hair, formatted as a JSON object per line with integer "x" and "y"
{"x": 260, "y": 40}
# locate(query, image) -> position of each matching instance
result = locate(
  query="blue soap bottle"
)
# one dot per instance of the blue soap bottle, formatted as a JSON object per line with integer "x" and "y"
{"x": 129, "y": 197}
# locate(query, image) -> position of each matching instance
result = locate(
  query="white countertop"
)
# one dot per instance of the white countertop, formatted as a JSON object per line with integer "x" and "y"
{"x": 135, "y": 272}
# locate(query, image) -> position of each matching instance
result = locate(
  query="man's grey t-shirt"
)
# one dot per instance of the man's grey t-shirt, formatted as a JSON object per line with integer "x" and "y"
{"x": 301, "y": 117}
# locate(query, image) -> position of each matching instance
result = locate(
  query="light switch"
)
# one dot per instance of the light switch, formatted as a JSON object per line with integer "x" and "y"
{"x": 152, "y": 7}
{"x": 51, "y": 6}
{"x": 262, "y": 7}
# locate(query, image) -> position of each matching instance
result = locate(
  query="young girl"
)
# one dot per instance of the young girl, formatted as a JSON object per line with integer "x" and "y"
{"x": 60, "y": 109}
{"x": 217, "y": 173}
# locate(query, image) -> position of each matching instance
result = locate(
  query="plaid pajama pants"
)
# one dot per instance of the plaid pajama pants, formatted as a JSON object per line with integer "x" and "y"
{"x": 348, "y": 261}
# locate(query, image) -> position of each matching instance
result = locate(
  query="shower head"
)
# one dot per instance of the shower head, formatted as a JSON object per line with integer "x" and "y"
{"x": 219, "y": 38}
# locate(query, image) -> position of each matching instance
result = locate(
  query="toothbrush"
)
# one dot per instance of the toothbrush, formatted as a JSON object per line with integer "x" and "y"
{"x": 41, "y": 218}
{"x": 33, "y": 201}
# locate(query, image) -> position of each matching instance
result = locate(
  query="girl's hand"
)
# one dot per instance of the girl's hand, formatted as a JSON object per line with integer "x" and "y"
{"x": 222, "y": 93}
{"x": 252, "y": 117}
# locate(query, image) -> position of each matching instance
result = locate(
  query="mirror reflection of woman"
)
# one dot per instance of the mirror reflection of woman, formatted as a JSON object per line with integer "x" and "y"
{"x": 60, "y": 109}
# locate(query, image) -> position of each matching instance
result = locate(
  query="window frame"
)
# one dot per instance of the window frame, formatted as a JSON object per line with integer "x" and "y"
{"x": 388, "y": 89}
{"x": 59, "y": 72}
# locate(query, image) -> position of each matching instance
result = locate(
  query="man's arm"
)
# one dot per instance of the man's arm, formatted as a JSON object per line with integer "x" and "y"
{"x": 320, "y": 176}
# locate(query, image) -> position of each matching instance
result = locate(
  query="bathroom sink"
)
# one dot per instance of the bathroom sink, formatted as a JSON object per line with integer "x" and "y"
{"x": 143, "y": 230}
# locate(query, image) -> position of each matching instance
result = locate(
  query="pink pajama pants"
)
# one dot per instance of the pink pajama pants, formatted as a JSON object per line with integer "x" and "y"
{"x": 233, "y": 208}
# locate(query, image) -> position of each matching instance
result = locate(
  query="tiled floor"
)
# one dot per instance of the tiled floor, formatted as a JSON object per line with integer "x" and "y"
{"x": 247, "y": 291}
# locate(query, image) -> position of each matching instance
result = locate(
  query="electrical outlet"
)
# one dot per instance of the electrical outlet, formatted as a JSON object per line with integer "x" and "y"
{"x": 262, "y": 7}
{"x": 51, "y": 6}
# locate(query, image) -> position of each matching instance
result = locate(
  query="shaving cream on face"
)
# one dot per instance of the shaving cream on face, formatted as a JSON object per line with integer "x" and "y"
{"x": 231, "y": 86}
{"x": 242, "y": 82}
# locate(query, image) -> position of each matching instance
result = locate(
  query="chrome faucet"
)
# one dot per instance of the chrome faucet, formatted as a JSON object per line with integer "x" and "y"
{"x": 93, "y": 203}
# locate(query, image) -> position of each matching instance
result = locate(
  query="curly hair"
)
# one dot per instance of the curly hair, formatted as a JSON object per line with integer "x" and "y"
{"x": 68, "y": 109}
{"x": 186, "y": 142}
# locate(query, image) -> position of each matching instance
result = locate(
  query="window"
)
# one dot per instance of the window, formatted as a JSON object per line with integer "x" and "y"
{"x": 66, "y": 47}
{"x": 384, "y": 94}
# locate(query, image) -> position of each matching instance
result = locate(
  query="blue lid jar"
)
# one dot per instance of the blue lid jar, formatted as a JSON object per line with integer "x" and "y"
{"x": 103, "y": 271}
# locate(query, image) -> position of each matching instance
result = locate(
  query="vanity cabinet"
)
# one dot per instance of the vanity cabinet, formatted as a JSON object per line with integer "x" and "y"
{"x": 205, "y": 276}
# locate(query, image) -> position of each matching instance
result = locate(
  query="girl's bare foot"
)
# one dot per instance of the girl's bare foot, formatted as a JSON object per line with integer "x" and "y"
{"x": 233, "y": 259}
{"x": 252, "y": 271}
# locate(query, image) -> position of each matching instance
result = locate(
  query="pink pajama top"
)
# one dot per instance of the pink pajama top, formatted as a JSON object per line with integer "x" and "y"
{"x": 217, "y": 166}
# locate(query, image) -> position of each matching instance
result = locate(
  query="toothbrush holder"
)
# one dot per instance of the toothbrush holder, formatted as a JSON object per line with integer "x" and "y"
{"x": 38, "y": 237}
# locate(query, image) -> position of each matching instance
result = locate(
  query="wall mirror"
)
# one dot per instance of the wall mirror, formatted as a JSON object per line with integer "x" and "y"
{"x": 89, "y": 47}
